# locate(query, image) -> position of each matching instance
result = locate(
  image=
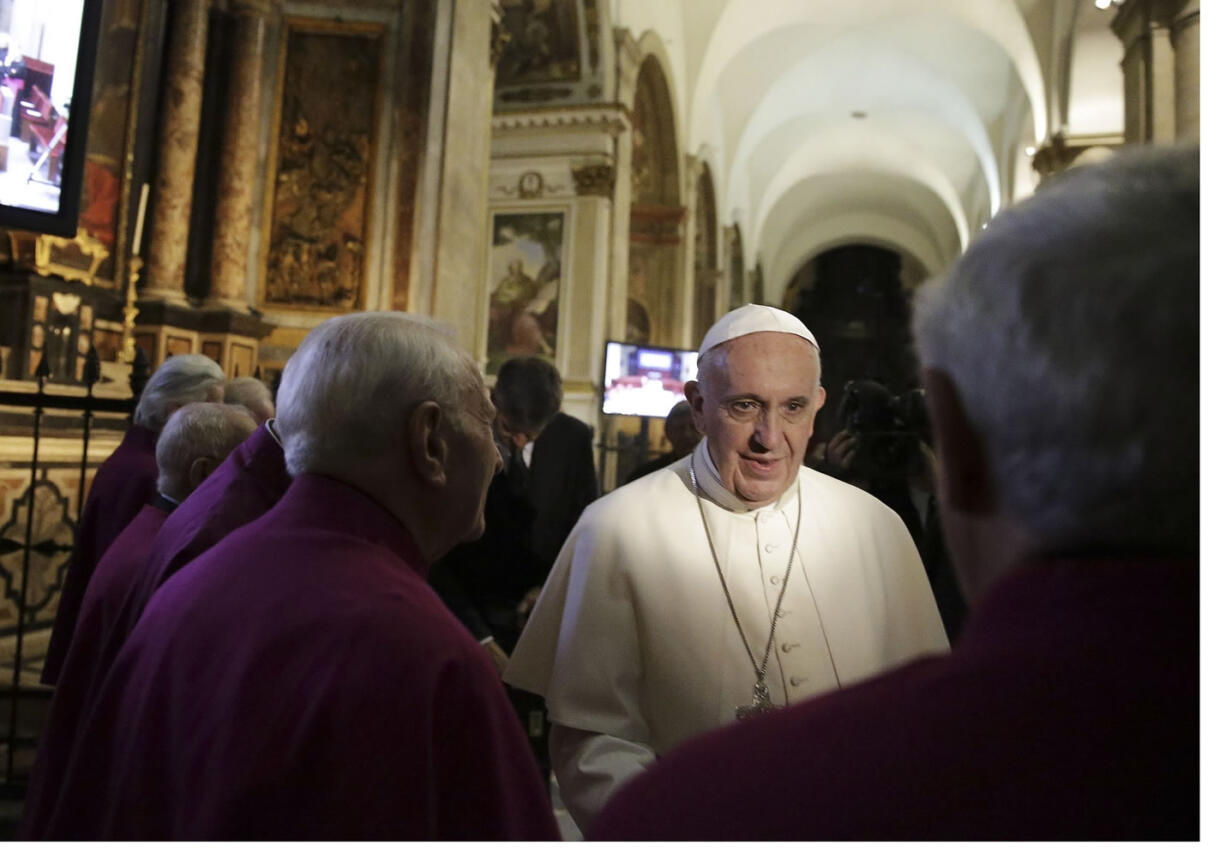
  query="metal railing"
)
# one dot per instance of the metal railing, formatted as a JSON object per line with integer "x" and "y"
{"x": 38, "y": 403}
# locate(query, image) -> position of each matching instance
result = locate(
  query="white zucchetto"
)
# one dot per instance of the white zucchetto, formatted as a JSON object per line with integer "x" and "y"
{"x": 754, "y": 318}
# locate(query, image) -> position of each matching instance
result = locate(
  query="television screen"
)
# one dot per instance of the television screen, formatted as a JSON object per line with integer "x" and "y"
{"x": 645, "y": 380}
{"x": 47, "y": 50}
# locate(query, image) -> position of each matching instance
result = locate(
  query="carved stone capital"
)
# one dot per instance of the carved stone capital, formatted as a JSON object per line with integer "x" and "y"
{"x": 594, "y": 179}
{"x": 1059, "y": 153}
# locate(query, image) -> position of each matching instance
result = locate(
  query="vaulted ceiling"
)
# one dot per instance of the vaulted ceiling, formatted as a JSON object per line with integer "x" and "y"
{"x": 902, "y": 123}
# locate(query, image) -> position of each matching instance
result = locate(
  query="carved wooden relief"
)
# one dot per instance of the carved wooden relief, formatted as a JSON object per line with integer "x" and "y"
{"x": 320, "y": 189}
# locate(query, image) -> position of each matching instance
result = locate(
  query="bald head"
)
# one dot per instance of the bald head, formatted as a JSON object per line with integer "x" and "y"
{"x": 196, "y": 439}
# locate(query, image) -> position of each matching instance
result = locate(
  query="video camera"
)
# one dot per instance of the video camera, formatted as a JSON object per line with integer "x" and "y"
{"x": 889, "y": 428}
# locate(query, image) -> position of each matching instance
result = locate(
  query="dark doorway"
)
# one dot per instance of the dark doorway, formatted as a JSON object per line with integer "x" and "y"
{"x": 854, "y": 300}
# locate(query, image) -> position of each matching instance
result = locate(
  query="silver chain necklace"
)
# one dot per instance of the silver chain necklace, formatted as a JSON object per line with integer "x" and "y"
{"x": 761, "y": 695}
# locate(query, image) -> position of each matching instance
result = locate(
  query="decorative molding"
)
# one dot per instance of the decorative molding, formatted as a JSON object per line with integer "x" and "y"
{"x": 531, "y": 184}
{"x": 657, "y": 224}
{"x": 1059, "y": 153}
{"x": 85, "y": 244}
{"x": 594, "y": 179}
{"x": 609, "y": 119}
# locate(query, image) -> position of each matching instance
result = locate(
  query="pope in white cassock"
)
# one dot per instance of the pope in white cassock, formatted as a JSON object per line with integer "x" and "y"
{"x": 731, "y": 582}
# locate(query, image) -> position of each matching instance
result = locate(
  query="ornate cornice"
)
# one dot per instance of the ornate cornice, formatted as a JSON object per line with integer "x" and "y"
{"x": 1059, "y": 153}
{"x": 606, "y": 118}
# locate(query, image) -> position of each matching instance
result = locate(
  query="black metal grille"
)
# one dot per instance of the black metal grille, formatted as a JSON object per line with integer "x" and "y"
{"x": 38, "y": 532}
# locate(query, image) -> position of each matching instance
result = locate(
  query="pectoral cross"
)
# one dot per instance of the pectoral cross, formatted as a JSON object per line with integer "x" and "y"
{"x": 760, "y": 705}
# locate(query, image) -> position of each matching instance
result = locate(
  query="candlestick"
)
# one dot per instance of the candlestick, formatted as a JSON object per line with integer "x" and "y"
{"x": 140, "y": 218}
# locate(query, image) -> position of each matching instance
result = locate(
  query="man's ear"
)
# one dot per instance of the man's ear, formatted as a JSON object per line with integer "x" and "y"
{"x": 426, "y": 444}
{"x": 694, "y": 396}
{"x": 199, "y": 470}
{"x": 963, "y": 476}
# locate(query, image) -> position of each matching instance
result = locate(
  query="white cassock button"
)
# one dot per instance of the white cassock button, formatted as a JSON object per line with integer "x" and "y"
{"x": 775, "y": 579}
{"x": 796, "y": 682}
{"x": 770, "y": 548}
{"x": 787, "y": 647}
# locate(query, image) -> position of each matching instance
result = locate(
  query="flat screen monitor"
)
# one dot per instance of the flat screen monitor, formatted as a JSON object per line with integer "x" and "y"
{"x": 645, "y": 380}
{"x": 47, "y": 52}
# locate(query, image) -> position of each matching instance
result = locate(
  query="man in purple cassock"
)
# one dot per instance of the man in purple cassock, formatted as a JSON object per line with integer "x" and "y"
{"x": 124, "y": 483}
{"x": 244, "y": 487}
{"x": 1060, "y": 359}
{"x": 301, "y": 680}
{"x": 196, "y": 439}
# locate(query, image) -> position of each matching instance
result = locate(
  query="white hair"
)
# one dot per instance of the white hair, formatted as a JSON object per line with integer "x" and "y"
{"x": 252, "y": 393}
{"x": 181, "y": 379}
{"x": 348, "y": 388}
{"x": 197, "y": 430}
{"x": 1070, "y": 331}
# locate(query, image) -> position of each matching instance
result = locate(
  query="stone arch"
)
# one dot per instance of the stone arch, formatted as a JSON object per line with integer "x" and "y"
{"x": 657, "y": 214}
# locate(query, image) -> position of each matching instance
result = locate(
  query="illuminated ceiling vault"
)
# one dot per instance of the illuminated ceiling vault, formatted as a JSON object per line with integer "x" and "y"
{"x": 901, "y": 123}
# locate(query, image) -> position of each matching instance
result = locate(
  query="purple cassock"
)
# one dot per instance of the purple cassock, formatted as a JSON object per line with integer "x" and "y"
{"x": 124, "y": 483}
{"x": 243, "y": 487}
{"x": 84, "y": 664}
{"x": 301, "y": 680}
{"x": 1068, "y": 709}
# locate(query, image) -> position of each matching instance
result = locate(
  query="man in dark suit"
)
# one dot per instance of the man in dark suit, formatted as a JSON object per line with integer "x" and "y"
{"x": 548, "y": 478}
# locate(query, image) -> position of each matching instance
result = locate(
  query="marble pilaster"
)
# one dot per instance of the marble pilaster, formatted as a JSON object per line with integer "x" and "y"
{"x": 239, "y": 157}
{"x": 456, "y": 292}
{"x": 1161, "y": 69}
{"x": 1185, "y": 37}
{"x": 565, "y": 159}
{"x": 177, "y": 150}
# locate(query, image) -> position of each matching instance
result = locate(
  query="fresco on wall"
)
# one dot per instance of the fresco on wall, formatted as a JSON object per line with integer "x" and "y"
{"x": 320, "y": 189}
{"x": 525, "y": 281}
{"x": 544, "y": 45}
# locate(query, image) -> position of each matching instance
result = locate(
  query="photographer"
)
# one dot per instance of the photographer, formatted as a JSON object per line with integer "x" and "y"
{"x": 882, "y": 447}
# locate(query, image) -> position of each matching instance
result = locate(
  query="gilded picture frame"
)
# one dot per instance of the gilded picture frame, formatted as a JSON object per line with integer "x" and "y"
{"x": 319, "y": 193}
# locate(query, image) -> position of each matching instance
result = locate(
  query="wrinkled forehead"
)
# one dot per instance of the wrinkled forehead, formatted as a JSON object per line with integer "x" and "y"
{"x": 766, "y": 358}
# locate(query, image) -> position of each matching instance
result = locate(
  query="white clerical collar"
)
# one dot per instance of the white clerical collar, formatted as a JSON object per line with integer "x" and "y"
{"x": 272, "y": 430}
{"x": 711, "y": 484}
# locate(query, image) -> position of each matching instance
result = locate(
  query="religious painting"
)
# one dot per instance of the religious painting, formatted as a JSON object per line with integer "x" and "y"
{"x": 525, "y": 280}
{"x": 319, "y": 191}
{"x": 544, "y": 45}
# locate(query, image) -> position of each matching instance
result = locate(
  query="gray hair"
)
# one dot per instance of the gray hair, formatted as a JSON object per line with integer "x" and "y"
{"x": 198, "y": 430}
{"x": 252, "y": 393}
{"x": 349, "y": 386}
{"x": 1070, "y": 331}
{"x": 181, "y": 379}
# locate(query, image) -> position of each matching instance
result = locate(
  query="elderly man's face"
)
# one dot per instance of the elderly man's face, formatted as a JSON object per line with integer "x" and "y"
{"x": 476, "y": 460}
{"x": 756, "y": 405}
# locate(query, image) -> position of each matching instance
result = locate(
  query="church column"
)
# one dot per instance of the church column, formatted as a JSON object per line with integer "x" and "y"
{"x": 628, "y": 59}
{"x": 239, "y": 157}
{"x": 687, "y": 275}
{"x": 464, "y": 107}
{"x": 1185, "y": 37}
{"x": 180, "y": 130}
{"x": 1149, "y": 68}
